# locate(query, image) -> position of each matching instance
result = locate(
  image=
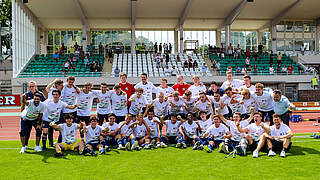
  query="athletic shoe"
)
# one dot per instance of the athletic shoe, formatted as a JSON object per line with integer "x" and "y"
{"x": 37, "y": 148}
{"x": 255, "y": 154}
{"x": 58, "y": 154}
{"x": 163, "y": 145}
{"x": 223, "y": 148}
{"x": 107, "y": 149}
{"x": 200, "y": 147}
{"x": 147, "y": 146}
{"x": 317, "y": 137}
{"x": 120, "y": 147}
{"x": 184, "y": 145}
{"x": 51, "y": 144}
{"x": 102, "y": 151}
{"x": 243, "y": 150}
{"x": 195, "y": 146}
{"x": 23, "y": 149}
{"x": 127, "y": 147}
{"x": 314, "y": 135}
{"x": 158, "y": 145}
{"x": 93, "y": 153}
{"x": 271, "y": 153}
{"x": 153, "y": 142}
{"x": 283, "y": 154}
{"x": 134, "y": 145}
{"x": 178, "y": 145}
{"x": 206, "y": 148}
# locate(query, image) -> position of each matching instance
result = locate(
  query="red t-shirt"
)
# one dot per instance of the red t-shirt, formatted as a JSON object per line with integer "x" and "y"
{"x": 128, "y": 88}
{"x": 181, "y": 88}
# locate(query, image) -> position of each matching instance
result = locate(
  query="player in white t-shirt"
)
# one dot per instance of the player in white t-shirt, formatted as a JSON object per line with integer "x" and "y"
{"x": 153, "y": 123}
{"x": 233, "y": 101}
{"x": 141, "y": 133}
{"x": 31, "y": 116}
{"x": 255, "y": 131}
{"x": 148, "y": 87}
{"x": 112, "y": 136}
{"x": 189, "y": 101}
{"x": 138, "y": 102}
{"x": 188, "y": 132}
{"x": 203, "y": 104}
{"x": 279, "y": 138}
{"x": 52, "y": 112}
{"x": 204, "y": 123}
{"x": 176, "y": 104}
{"x": 216, "y": 134}
{"x": 69, "y": 136}
{"x": 56, "y": 84}
{"x": 119, "y": 103}
{"x": 104, "y": 102}
{"x": 197, "y": 87}
{"x": 160, "y": 106}
{"x": 219, "y": 104}
{"x": 93, "y": 133}
{"x": 264, "y": 102}
{"x": 248, "y": 102}
{"x": 84, "y": 101}
{"x": 69, "y": 92}
{"x": 125, "y": 132}
{"x": 235, "y": 84}
{"x": 164, "y": 88}
{"x": 171, "y": 130}
{"x": 247, "y": 84}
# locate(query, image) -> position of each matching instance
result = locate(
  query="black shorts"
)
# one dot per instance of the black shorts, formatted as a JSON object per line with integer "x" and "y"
{"x": 217, "y": 142}
{"x": 278, "y": 145}
{"x": 45, "y": 124}
{"x": 85, "y": 119}
{"x": 172, "y": 139}
{"x": 94, "y": 145}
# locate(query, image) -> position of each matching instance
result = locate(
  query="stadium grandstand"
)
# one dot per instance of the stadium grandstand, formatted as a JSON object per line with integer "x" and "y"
{"x": 108, "y": 62}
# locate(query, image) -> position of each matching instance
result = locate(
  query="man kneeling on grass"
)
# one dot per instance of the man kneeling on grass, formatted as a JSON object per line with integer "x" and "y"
{"x": 279, "y": 138}
{"x": 69, "y": 136}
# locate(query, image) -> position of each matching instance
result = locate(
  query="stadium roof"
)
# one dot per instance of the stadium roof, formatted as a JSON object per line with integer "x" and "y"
{"x": 165, "y": 14}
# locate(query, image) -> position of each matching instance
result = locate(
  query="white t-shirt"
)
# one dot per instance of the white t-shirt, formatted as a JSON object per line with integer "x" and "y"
{"x": 252, "y": 89}
{"x": 195, "y": 90}
{"x": 125, "y": 129}
{"x": 264, "y": 102}
{"x": 92, "y": 135}
{"x": 148, "y": 89}
{"x": 204, "y": 106}
{"x": 161, "y": 108}
{"x": 236, "y": 135}
{"x": 153, "y": 126}
{"x": 190, "y": 129}
{"x": 177, "y": 109}
{"x": 256, "y": 131}
{"x": 137, "y": 104}
{"x": 172, "y": 129}
{"x": 190, "y": 104}
{"x": 32, "y": 112}
{"x": 50, "y": 94}
{"x": 166, "y": 91}
{"x": 140, "y": 130}
{"x": 104, "y": 104}
{"x": 282, "y": 131}
{"x": 84, "y": 102}
{"x": 118, "y": 104}
{"x": 69, "y": 97}
{"x": 112, "y": 128}
{"x": 217, "y": 132}
{"x": 249, "y": 103}
{"x": 235, "y": 84}
{"x": 217, "y": 106}
{"x": 53, "y": 110}
{"x": 204, "y": 125}
{"x": 69, "y": 134}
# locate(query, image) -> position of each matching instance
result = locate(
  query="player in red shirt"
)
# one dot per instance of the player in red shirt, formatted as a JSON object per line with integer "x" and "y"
{"x": 181, "y": 87}
{"x": 126, "y": 87}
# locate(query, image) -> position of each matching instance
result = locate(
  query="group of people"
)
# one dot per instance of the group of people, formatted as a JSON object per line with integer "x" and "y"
{"x": 230, "y": 117}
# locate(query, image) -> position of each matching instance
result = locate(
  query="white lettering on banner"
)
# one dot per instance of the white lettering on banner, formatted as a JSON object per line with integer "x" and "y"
{"x": 1, "y": 100}
{"x": 9, "y": 100}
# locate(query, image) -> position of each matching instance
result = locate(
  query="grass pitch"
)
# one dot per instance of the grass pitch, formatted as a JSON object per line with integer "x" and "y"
{"x": 169, "y": 163}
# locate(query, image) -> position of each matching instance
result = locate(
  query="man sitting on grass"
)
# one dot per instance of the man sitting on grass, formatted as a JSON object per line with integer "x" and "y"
{"x": 125, "y": 132}
{"x": 141, "y": 133}
{"x": 279, "y": 138}
{"x": 172, "y": 130}
{"x": 69, "y": 136}
{"x": 110, "y": 138}
{"x": 188, "y": 132}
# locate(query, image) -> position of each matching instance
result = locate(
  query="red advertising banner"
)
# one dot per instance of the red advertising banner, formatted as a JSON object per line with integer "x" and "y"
{"x": 10, "y": 100}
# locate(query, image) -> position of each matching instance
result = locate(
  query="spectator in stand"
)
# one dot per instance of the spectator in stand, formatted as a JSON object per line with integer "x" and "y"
{"x": 160, "y": 48}
{"x": 255, "y": 56}
{"x": 238, "y": 70}
{"x": 127, "y": 87}
{"x": 237, "y": 52}
{"x": 279, "y": 58}
{"x": 302, "y": 49}
{"x": 167, "y": 71}
{"x": 247, "y": 61}
{"x": 155, "y": 47}
{"x": 100, "y": 49}
{"x": 66, "y": 66}
{"x": 174, "y": 71}
{"x": 190, "y": 64}
{"x": 86, "y": 62}
{"x": 215, "y": 89}
{"x": 222, "y": 55}
{"x": 248, "y": 53}
{"x": 178, "y": 58}
{"x": 180, "y": 86}
{"x": 195, "y": 64}
{"x": 284, "y": 69}
{"x": 93, "y": 67}
{"x": 77, "y": 52}
{"x": 244, "y": 70}
{"x": 71, "y": 50}
{"x": 271, "y": 57}
{"x": 204, "y": 69}
{"x": 116, "y": 71}
{"x": 75, "y": 60}
{"x": 218, "y": 68}
{"x": 230, "y": 50}
{"x": 56, "y": 55}
{"x": 71, "y": 66}
{"x": 290, "y": 69}
{"x": 99, "y": 66}
{"x": 214, "y": 64}
{"x": 91, "y": 48}
{"x": 300, "y": 69}
{"x": 249, "y": 70}
{"x": 185, "y": 64}
{"x": 81, "y": 55}
{"x": 278, "y": 69}
{"x": 229, "y": 69}
{"x": 271, "y": 70}
{"x": 255, "y": 69}
{"x": 170, "y": 48}
{"x": 62, "y": 49}
{"x": 167, "y": 57}
{"x": 260, "y": 48}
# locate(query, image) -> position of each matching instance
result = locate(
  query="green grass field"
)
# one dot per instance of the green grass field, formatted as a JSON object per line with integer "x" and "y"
{"x": 170, "y": 163}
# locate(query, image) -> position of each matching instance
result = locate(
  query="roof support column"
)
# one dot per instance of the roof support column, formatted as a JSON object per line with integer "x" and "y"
{"x": 133, "y": 26}
{"x": 84, "y": 38}
{"x": 181, "y": 38}
{"x": 228, "y": 35}
{"x": 218, "y": 39}
{"x": 45, "y": 42}
{"x": 176, "y": 42}
{"x": 274, "y": 39}
{"x": 316, "y": 47}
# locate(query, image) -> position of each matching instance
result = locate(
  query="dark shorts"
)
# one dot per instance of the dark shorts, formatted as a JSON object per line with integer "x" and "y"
{"x": 85, "y": 119}
{"x": 109, "y": 141}
{"x": 26, "y": 126}
{"x": 172, "y": 139}
{"x": 217, "y": 142}
{"x": 94, "y": 145}
{"x": 102, "y": 117}
{"x": 278, "y": 145}
{"x": 45, "y": 124}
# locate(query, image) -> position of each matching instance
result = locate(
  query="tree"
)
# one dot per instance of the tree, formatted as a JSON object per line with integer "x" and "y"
{"x": 5, "y": 20}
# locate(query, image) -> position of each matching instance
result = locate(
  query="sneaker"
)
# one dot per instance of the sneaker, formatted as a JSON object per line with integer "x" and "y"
{"x": 51, "y": 144}
{"x": 37, "y": 148}
{"x": 58, "y": 154}
{"x": 134, "y": 145}
{"x": 255, "y": 154}
{"x": 107, "y": 149}
{"x": 184, "y": 145}
{"x": 120, "y": 147}
{"x": 93, "y": 153}
{"x": 23, "y": 149}
{"x": 317, "y": 137}
{"x": 158, "y": 145}
{"x": 243, "y": 150}
{"x": 206, "y": 148}
{"x": 314, "y": 135}
{"x": 147, "y": 146}
{"x": 102, "y": 151}
{"x": 200, "y": 147}
{"x": 153, "y": 141}
{"x": 195, "y": 146}
{"x": 223, "y": 148}
{"x": 283, "y": 154}
{"x": 163, "y": 145}
{"x": 127, "y": 147}
{"x": 178, "y": 145}
{"x": 271, "y": 153}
